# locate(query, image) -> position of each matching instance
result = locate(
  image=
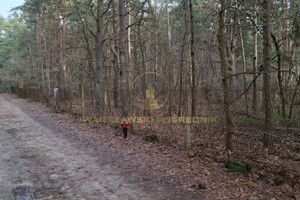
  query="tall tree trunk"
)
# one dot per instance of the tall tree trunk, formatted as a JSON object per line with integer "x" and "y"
{"x": 149, "y": 48}
{"x": 130, "y": 68}
{"x": 123, "y": 72}
{"x": 187, "y": 125}
{"x": 294, "y": 97}
{"x": 254, "y": 58}
{"x": 168, "y": 24}
{"x": 188, "y": 110}
{"x": 244, "y": 58}
{"x": 70, "y": 88}
{"x": 193, "y": 88}
{"x": 100, "y": 84}
{"x": 40, "y": 59}
{"x": 168, "y": 64}
{"x": 48, "y": 63}
{"x": 156, "y": 40}
{"x": 297, "y": 71}
{"x": 297, "y": 79}
{"x": 128, "y": 56}
{"x": 143, "y": 64}
{"x": 231, "y": 40}
{"x": 182, "y": 58}
{"x": 268, "y": 140}
{"x": 229, "y": 124}
{"x": 115, "y": 58}
{"x": 63, "y": 54}
{"x": 62, "y": 66}
{"x": 81, "y": 87}
{"x": 135, "y": 66}
{"x": 279, "y": 77}
{"x": 142, "y": 69}
{"x": 285, "y": 42}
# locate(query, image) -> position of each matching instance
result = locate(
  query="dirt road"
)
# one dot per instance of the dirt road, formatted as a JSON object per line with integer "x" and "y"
{"x": 39, "y": 160}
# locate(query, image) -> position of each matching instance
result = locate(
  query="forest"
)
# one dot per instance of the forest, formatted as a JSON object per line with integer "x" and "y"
{"x": 216, "y": 79}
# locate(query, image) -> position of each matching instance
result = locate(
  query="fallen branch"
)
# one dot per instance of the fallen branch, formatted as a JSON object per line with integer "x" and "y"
{"x": 293, "y": 168}
{"x": 259, "y": 135}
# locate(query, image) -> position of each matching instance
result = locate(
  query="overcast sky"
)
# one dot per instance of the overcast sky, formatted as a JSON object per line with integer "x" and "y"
{"x": 7, "y": 5}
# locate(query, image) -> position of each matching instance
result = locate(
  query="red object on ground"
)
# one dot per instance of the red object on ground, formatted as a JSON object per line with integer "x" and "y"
{"x": 124, "y": 124}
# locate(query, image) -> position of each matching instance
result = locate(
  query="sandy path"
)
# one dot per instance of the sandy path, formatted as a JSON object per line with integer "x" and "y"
{"x": 44, "y": 164}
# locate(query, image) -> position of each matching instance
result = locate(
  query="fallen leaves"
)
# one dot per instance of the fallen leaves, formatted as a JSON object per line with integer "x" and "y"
{"x": 202, "y": 169}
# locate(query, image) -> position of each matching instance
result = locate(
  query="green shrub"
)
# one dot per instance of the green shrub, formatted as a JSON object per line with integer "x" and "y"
{"x": 239, "y": 167}
{"x": 30, "y": 99}
{"x": 150, "y": 138}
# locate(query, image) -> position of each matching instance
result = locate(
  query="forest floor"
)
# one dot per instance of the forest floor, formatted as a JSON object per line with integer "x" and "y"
{"x": 42, "y": 158}
{"x": 196, "y": 174}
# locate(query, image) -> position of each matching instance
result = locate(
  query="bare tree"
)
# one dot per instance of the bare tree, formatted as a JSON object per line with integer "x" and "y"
{"x": 231, "y": 26}
{"x": 268, "y": 140}
{"x": 100, "y": 84}
{"x": 254, "y": 58}
{"x": 123, "y": 74}
{"x": 193, "y": 88}
{"x": 62, "y": 64}
{"x": 182, "y": 52}
{"x": 48, "y": 62}
{"x": 229, "y": 124}
{"x": 244, "y": 58}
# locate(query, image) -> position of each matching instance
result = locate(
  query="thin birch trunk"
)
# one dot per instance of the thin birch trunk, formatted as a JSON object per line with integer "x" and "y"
{"x": 244, "y": 59}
